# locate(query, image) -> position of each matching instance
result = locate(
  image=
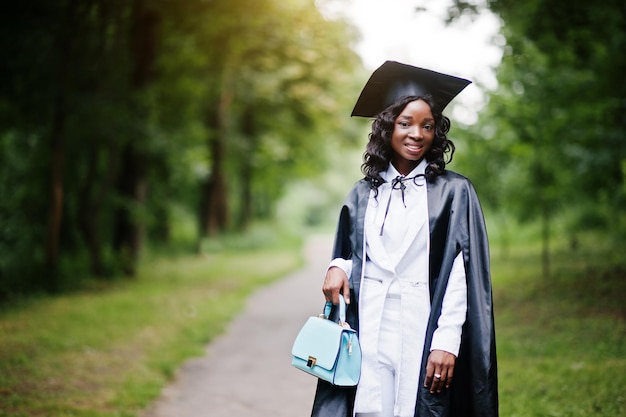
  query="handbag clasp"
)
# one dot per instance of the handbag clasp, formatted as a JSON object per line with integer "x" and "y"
{"x": 311, "y": 362}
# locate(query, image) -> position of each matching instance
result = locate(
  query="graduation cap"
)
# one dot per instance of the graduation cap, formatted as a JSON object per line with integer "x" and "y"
{"x": 394, "y": 80}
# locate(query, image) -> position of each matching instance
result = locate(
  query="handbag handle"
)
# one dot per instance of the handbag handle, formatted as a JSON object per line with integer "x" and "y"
{"x": 342, "y": 309}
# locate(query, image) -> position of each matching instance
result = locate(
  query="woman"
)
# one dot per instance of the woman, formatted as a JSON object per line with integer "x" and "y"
{"x": 411, "y": 259}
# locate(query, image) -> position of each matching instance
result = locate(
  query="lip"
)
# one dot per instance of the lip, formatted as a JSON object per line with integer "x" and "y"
{"x": 414, "y": 148}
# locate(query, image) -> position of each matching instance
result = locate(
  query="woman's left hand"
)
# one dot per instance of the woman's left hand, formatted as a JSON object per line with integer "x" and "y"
{"x": 439, "y": 370}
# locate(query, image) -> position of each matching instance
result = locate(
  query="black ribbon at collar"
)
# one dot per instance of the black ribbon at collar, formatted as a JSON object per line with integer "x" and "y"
{"x": 398, "y": 184}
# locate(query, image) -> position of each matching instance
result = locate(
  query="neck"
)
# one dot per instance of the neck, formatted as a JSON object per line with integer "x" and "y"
{"x": 406, "y": 167}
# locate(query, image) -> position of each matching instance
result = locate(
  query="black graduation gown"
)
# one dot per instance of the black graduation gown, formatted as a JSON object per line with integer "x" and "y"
{"x": 456, "y": 224}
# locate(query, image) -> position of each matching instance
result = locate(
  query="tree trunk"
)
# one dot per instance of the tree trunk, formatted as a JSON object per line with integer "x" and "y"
{"x": 545, "y": 239}
{"x": 56, "y": 186}
{"x": 57, "y": 143}
{"x": 217, "y": 219}
{"x": 215, "y": 216}
{"x": 93, "y": 192}
{"x": 245, "y": 210}
{"x": 88, "y": 212}
{"x": 246, "y": 170}
{"x": 131, "y": 187}
{"x": 132, "y": 182}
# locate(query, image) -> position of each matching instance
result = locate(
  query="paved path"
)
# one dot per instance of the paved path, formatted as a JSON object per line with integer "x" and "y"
{"x": 247, "y": 371}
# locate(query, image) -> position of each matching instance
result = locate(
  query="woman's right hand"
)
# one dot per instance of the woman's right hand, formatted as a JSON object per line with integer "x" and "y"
{"x": 335, "y": 283}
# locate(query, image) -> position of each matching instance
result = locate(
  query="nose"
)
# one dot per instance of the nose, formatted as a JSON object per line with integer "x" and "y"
{"x": 415, "y": 132}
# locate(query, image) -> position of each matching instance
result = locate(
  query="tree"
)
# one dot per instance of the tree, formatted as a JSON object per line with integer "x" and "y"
{"x": 556, "y": 118}
{"x": 114, "y": 114}
{"x": 275, "y": 73}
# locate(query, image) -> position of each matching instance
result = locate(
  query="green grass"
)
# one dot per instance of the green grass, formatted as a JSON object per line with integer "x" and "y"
{"x": 109, "y": 351}
{"x": 561, "y": 340}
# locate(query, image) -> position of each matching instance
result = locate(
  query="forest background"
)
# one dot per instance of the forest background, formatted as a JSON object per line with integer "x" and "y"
{"x": 135, "y": 126}
{"x": 133, "y": 131}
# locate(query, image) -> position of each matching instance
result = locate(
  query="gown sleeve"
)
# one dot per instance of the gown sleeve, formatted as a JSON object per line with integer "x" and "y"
{"x": 344, "y": 264}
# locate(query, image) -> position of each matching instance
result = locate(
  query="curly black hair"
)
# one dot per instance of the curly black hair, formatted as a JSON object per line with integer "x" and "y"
{"x": 379, "y": 153}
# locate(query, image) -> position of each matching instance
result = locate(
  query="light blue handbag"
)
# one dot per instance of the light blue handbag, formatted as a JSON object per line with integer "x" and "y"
{"x": 329, "y": 350}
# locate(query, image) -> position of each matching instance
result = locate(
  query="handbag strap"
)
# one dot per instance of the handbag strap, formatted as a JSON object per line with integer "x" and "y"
{"x": 342, "y": 309}
{"x": 327, "y": 308}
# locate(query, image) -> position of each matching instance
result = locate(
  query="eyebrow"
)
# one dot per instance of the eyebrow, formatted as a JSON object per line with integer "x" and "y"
{"x": 426, "y": 119}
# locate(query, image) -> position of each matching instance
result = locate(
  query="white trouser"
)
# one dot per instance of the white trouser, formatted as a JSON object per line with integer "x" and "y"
{"x": 389, "y": 351}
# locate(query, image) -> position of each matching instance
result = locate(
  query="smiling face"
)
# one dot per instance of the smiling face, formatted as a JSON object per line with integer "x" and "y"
{"x": 413, "y": 135}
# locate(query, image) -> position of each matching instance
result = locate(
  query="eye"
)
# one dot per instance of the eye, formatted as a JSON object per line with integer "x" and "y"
{"x": 404, "y": 123}
{"x": 429, "y": 127}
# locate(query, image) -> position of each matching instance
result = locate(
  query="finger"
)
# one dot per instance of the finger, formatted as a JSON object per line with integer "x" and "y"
{"x": 436, "y": 382}
{"x": 449, "y": 377}
{"x": 331, "y": 293}
{"x": 429, "y": 375}
{"x": 346, "y": 291}
{"x": 332, "y": 296}
{"x": 328, "y": 295}
{"x": 440, "y": 382}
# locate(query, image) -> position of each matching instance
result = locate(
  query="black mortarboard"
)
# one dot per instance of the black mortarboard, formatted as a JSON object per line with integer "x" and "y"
{"x": 394, "y": 80}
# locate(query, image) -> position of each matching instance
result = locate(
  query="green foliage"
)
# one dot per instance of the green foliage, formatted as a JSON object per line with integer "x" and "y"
{"x": 567, "y": 98}
{"x": 115, "y": 109}
{"x": 21, "y": 196}
{"x": 550, "y": 141}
